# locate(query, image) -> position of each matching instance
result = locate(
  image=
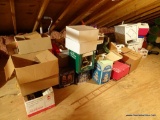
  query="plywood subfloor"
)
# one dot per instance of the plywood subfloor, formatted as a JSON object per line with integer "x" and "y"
{"x": 131, "y": 97}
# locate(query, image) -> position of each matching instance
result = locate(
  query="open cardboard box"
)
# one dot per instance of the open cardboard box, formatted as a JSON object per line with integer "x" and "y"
{"x": 35, "y": 69}
{"x": 130, "y": 57}
{"x": 102, "y": 72}
{"x": 40, "y": 101}
{"x": 28, "y": 43}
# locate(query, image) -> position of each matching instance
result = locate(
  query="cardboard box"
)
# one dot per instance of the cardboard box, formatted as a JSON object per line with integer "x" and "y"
{"x": 38, "y": 102}
{"x": 66, "y": 76}
{"x": 131, "y": 58}
{"x": 63, "y": 59}
{"x": 28, "y": 36}
{"x": 31, "y": 42}
{"x": 103, "y": 67}
{"x": 83, "y": 77}
{"x": 102, "y": 72}
{"x": 31, "y": 87}
{"x": 119, "y": 70}
{"x": 126, "y": 33}
{"x": 82, "y": 62}
{"x": 82, "y": 33}
{"x": 80, "y": 47}
{"x": 34, "y": 68}
{"x": 81, "y": 38}
{"x": 133, "y": 46}
{"x": 143, "y": 29}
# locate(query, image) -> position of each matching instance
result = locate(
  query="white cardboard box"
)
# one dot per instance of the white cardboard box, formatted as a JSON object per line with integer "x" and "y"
{"x": 82, "y": 33}
{"x": 80, "y": 47}
{"x": 126, "y": 33}
{"x": 40, "y": 104}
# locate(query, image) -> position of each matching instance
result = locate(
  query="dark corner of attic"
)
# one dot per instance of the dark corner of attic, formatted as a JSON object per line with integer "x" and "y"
{"x": 45, "y": 64}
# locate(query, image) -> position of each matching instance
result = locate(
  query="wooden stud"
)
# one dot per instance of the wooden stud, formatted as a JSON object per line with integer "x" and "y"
{"x": 13, "y": 16}
{"x": 41, "y": 12}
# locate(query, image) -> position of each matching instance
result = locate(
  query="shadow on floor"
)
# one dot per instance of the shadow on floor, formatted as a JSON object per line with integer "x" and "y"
{"x": 62, "y": 93}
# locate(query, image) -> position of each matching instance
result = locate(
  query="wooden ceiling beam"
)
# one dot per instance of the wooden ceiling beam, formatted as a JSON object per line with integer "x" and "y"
{"x": 135, "y": 14}
{"x": 132, "y": 6}
{"x": 144, "y": 15}
{"x": 69, "y": 7}
{"x": 86, "y": 11}
{"x": 41, "y": 13}
{"x": 13, "y": 16}
{"x": 115, "y": 7}
{"x": 149, "y": 17}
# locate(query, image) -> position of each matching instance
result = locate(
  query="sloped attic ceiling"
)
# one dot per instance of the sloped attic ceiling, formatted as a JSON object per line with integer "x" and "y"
{"x": 21, "y": 16}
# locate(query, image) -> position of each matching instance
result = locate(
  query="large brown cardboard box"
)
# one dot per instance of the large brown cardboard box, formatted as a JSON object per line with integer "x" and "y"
{"x": 40, "y": 68}
{"x": 35, "y": 69}
{"x": 28, "y": 43}
{"x": 131, "y": 58}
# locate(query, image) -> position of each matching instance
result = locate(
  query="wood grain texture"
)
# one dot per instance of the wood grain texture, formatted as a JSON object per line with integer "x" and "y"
{"x": 135, "y": 94}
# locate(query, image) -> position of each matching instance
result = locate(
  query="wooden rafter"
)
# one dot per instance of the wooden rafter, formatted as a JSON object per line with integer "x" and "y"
{"x": 88, "y": 10}
{"x": 41, "y": 12}
{"x": 63, "y": 14}
{"x": 136, "y": 14}
{"x": 145, "y": 15}
{"x": 107, "y": 11}
{"x": 13, "y": 16}
{"x": 125, "y": 10}
{"x": 149, "y": 17}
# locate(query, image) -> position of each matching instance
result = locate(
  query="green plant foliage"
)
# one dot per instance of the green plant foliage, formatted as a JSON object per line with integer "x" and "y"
{"x": 157, "y": 21}
{"x": 154, "y": 30}
{"x": 152, "y": 38}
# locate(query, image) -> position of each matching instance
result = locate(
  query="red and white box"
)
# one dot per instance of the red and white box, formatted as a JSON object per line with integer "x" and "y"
{"x": 35, "y": 105}
{"x": 119, "y": 70}
{"x": 143, "y": 29}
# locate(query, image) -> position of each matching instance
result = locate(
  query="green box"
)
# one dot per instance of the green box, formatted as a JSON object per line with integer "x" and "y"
{"x": 82, "y": 62}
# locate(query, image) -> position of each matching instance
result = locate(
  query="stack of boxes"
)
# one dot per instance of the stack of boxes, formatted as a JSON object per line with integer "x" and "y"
{"x": 142, "y": 32}
{"x": 81, "y": 40}
{"x": 36, "y": 69}
{"x": 104, "y": 65}
{"x": 132, "y": 35}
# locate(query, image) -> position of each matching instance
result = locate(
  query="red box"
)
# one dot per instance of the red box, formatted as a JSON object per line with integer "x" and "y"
{"x": 143, "y": 31}
{"x": 119, "y": 70}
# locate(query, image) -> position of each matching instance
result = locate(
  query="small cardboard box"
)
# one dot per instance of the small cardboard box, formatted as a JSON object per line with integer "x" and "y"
{"x": 82, "y": 62}
{"x": 102, "y": 72}
{"x": 131, "y": 58}
{"x": 119, "y": 70}
{"x": 143, "y": 29}
{"x": 63, "y": 59}
{"x": 103, "y": 67}
{"x": 82, "y": 33}
{"x": 66, "y": 76}
{"x": 38, "y": 102}
{"x": 83, "y": 77}
{"x": 80, "y": 47}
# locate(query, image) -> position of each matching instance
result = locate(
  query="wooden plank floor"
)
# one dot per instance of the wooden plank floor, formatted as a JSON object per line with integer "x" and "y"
{"x": 131, "y": 97}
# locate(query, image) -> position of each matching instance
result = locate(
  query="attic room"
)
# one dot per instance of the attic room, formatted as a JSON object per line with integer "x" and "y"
{"x": 79, "y": 59}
